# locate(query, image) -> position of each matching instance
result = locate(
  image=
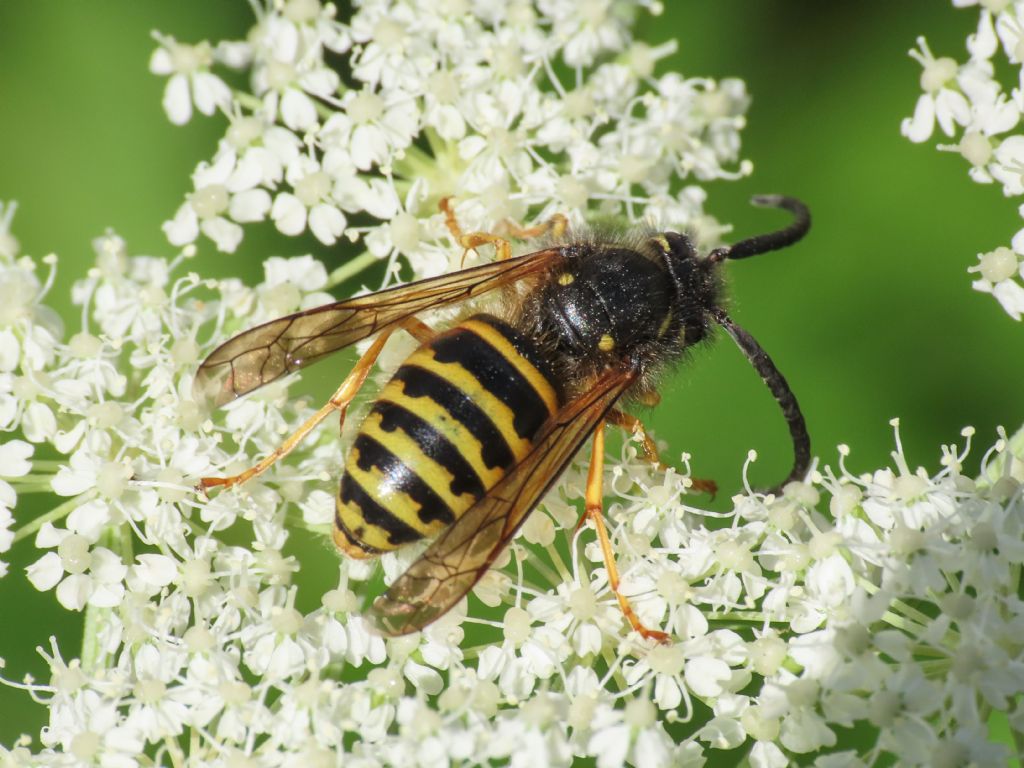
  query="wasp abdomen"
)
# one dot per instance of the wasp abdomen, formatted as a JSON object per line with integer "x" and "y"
{"x": 456, "y": 416}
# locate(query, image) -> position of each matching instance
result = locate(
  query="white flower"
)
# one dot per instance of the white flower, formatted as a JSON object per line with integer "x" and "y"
{"x": 1000, "y": 272}
{"x": 190, "y": 79}
{"x": 942, "y": 100}
{"x": 310, "y": 202}
{"x": 226, "y": 192}
{"x": 82, "y": 573}
{"x": 970, "y": 96}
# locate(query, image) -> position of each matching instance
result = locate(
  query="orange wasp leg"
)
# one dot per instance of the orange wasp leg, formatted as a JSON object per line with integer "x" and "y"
{"x": 650, "y": 450}
{"x": 594, "y": 497}
{"x": 339, "y": 401}
{"x": 419, "y": 330}
{"x": 472, "y": 240}
{"x": 555, "y": 226}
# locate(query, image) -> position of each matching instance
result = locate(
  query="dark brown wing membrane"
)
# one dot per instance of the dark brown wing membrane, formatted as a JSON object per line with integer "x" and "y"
{"x": 263, "y": 354}
{"x": 461, "y": 555}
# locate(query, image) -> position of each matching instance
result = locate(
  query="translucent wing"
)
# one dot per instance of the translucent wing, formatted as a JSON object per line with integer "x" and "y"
{"x": 265, "y": 353}
{"x": 461, "y": 555}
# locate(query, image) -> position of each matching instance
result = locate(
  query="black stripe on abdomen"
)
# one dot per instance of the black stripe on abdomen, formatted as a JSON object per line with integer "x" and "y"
{"x": 399, "y": 533}
{"x": 419, "y": 382}
{"x": 433, "y": 444}
{"x": 401, "y": 478}
{"x": 496, "y": 374}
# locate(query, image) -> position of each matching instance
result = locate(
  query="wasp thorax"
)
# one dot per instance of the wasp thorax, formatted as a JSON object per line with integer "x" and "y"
{"x": 604, "y": 301}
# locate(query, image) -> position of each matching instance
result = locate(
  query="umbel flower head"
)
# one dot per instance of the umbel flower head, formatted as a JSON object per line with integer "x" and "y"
{"x": 969, "y": 103}
{"x": 886, "y": 601}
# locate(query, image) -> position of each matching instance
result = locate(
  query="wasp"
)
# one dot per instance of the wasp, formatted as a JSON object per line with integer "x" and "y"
{"x": 483, "y": 417}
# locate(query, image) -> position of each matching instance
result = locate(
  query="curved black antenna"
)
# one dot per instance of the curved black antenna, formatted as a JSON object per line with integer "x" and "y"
{"x": 780, "y": 389}
{"x": 773, "y": 240}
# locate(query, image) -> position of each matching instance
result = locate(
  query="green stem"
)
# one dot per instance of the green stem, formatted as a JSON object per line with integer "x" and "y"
{"x": 54, "y": 514}
{"x": 37, "y": 486}
{"x": 174, "y": 751}
{"x": 94, "y": 620}
{"x": 747, "y": 617}
{"x": 910, "y": 612}
{"x": 1018, "y": 743}
{"x": 48, "y": 464}
{"x": 351, "y": 268}
{"x": 248, "y": 100}
{"x": 902, "y": 622}
{"x": 564, "y": 575}
{"x": 32, "y": 478}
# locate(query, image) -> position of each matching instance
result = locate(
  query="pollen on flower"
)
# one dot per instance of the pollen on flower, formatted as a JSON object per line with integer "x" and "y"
{"x": 386, "y": 682}
{"x": 287, "y": 621}
{"x": 210, "y": 201}
{"x": 906, "y": 541}
{"x": 823, "y": 544}
{"x": 976, "y": 148}
{"x": 582, "y": 603}
{"x": 234, "y": 692}
{"x": 937, "y": 73}
{"x": 516, "y": 625}
{"x": 761, "y": 725}
{"x": 640, "y": 713}
{"x": 767, "y": 654}
{"x": 112, "y": 479}
{"x": 85, "y": 745}
{"x": 998, "y": 265}
{"x": 74, "y": 554}
{"x": 667, "y": 659}
{"x": 909, "y": 487}
{"x": 199, "y": 639}
{"x": 196, "y": 577}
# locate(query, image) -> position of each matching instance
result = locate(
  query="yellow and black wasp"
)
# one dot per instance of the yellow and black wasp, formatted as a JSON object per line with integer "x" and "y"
{"x": 482, "y": 418}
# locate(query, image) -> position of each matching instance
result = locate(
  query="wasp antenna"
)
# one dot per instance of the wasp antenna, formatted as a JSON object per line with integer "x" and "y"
{"x": 780, "y": 390}
{"x": 773, "y": 240}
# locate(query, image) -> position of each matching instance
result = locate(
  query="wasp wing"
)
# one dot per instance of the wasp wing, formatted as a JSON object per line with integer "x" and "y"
{"x": 267, "y": 352}
{"x": 463, "y": 553}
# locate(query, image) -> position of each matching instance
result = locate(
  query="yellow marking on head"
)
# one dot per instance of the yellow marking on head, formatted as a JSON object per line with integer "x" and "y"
{"x": 499, "y": 413}
{"x": 537, "y": 380}
{"x": 606, "y": 343}
{"x": 565, "y": 278}
{"x": 663, "y": 243}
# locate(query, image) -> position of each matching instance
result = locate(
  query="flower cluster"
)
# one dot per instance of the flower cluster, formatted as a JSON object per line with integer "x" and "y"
{"x": 208, "y": 642}
{"x": 463, "y": 100}
{"x": 969, "y": 104}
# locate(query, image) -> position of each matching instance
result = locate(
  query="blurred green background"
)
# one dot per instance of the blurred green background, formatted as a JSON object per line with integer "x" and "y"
{"x": 870, "y": 317}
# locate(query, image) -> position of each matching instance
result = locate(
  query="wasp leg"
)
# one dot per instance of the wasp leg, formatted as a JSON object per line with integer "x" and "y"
{"x": 416, "y": 328}
{"x": 594, "y": 497}
{"x": 419, "y": 330}
{"x": 555, "y": 226}
{"x": 339, "y": 401}
{"x": 650, "y": 450}
{"x": 472, "y": 240}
